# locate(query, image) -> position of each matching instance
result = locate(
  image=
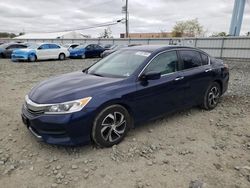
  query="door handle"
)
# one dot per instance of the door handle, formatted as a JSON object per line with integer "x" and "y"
{"x": 179, "y": 78}
{"x": 208, "y": 70}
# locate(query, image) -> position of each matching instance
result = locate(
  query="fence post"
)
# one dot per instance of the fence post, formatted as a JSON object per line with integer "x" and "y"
{"x": 222, "y": 47}
{"x": 195, "y": 43}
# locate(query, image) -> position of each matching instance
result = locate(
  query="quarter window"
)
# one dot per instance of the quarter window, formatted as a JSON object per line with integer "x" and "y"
{"x": 204, "y": 58}
{"x": 190, "y": 59}
{"x": 53, "y": 46}
{"x": 164, "y": 63}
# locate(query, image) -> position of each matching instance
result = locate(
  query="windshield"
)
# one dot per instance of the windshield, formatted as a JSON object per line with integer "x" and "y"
{"x": 66, "y": 45}
{"x": 119, "y": 47}
{"x": 81, "y": 46}
{"x": 119, "y": 64}
{"x": 33, "y": 46}
{"x": 5, "y": 45}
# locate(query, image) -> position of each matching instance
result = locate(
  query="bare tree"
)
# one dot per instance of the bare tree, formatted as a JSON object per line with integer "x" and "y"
{"x": 107, "y": 33}
{"x": 190, "y": 28}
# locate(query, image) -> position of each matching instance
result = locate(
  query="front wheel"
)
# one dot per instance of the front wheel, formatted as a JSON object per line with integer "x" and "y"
{"x": 62, "y": 56}
{"x": 32, "y": 58}
{"x": 83, "y": 56}
{"x": 111, "y": 126}
{"x": 212, "y": 96}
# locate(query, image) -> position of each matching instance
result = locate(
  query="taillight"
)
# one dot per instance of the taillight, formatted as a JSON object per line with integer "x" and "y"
{"x": 226, "y": 67}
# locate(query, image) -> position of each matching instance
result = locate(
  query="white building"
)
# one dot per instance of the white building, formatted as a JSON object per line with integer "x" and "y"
{"x": 58, "y": 35}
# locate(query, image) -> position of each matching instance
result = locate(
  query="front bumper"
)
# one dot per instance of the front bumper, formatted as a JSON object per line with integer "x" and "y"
{"x": 16, "y": 57}
{"x": 63, "y": 129}
{"x": 76, "y": 54}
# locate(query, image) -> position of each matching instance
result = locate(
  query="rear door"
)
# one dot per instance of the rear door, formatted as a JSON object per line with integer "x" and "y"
{"x": 43, "y": 52}
{"x": 54, "y": 51}
{"x": 194, "y": 72}
{"x": 156, "y": 97}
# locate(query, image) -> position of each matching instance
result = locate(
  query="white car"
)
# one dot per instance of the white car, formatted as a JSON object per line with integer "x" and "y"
{"x": 41, "y": 51}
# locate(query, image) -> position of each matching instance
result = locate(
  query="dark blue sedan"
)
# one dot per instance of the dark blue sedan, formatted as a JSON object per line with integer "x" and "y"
{"x": 128, "y": 87}
{"x": 86, "y": 51}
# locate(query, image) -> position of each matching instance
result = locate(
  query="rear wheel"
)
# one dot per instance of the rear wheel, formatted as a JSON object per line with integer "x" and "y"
{"x": 212, "y": 96}
{"x": 111, "y": 126}
{"x": 62, "y": 56}
{"x": 32, "y": 58}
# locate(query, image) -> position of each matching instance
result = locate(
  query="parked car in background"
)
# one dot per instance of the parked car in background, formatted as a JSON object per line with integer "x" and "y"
{"x": 70, "y": 46}
{"x": 41, "y": 51}
{"x": 112, "y": 50}
{"x": 86, "y": 50}
{"x": 107, "y": 46}
{"x": 7, "y": 49}
{"x": 129, "y": 87}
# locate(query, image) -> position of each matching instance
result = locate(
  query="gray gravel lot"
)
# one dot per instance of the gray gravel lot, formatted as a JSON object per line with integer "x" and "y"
{"x": 188, "y": 148}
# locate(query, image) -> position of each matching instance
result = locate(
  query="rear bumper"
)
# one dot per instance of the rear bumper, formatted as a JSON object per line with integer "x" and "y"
{"x": 225, "y": 83}
{"x": 67, "y": 129}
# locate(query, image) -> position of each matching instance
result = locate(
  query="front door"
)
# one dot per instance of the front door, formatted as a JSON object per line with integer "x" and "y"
{"x": 156, "y": 97}
{"x": 43, "y": 52}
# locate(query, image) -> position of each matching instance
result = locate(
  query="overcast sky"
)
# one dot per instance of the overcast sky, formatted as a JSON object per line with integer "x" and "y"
{"x": 145, "y": 15}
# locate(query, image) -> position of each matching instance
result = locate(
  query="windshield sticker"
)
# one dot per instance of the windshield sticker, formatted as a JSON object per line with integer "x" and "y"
{"x": 146, "y": 54}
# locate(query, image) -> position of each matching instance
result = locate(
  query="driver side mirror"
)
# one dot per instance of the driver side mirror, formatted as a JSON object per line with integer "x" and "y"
{"x": 150, "y": 76}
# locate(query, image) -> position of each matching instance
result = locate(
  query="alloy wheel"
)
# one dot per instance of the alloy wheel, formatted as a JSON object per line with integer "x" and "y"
{"x": 113, "y": 126}
{"x": 213, "y": 96}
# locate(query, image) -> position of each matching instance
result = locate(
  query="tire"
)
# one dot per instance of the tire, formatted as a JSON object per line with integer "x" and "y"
{"x": 61, "y": 56}
{"x": 111, "y": 126}
{"x": 83, "y": 56}
{"x": 212, "y": 96}
{"x": 32, "y": 58}
{"x": 1, "y": 55}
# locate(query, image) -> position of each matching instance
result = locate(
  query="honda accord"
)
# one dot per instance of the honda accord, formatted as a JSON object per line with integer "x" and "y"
{"x": 127, "y": 88}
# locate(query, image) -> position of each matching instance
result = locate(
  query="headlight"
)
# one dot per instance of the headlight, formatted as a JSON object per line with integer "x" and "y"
{"x": 67, "y": 107}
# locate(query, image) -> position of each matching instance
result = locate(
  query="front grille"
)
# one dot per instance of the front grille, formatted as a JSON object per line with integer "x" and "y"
{"x": 33, "y": 111}
{"x": 18, "y": 56}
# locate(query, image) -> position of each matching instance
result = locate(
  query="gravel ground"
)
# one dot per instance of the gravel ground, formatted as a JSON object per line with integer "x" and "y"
{"x": 187, "y": 149}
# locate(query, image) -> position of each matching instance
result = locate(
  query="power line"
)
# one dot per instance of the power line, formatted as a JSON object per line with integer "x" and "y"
{"x": 92, "y": 26}
{"x": 105, "y": 24}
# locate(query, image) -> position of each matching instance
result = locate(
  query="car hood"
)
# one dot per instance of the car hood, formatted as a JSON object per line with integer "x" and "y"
{"x": 70, "y": 87}
{"x": 23, "y": 51}
{"x": 76, "y": 50}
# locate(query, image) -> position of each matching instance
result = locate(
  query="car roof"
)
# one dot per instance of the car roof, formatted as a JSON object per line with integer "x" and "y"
{"x": 154, "y": 48}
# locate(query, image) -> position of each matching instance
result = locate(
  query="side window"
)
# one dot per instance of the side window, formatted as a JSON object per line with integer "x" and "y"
{"x": 205, "y": 59}
{"x": 89, "y": 47}
{"x": 164, "y": 63}
{"x": 21, "y": 46}
{"x": 44, "y": 47}
{"x": 190, "y": 59}
{"x": 53, "y": 46}
{"x": 97, "y": 46}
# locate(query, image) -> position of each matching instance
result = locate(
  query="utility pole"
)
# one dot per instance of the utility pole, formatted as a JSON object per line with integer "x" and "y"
{"x": 126, "y": 17}
{"x": 125, "y": 11}
{"x": 237, "y": 17}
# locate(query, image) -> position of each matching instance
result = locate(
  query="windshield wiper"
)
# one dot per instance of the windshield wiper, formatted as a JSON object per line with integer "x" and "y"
{"x": 95, "y": 74}
{"x": 85, "y": 70}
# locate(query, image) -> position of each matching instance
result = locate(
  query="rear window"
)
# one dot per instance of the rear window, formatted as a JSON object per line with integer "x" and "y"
{"x": 190, "y": 59}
